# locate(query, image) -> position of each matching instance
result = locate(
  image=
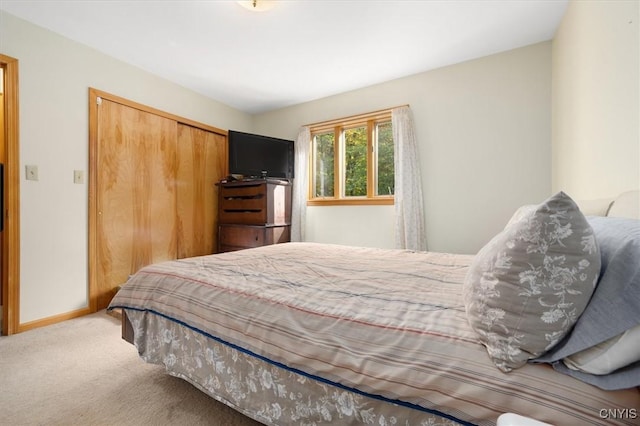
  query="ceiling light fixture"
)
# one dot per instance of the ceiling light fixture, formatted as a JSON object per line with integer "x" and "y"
{"x": 257, "y": 5}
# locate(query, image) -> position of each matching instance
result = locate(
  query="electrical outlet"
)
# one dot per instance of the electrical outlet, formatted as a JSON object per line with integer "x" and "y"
{"x": 31, "y": 172}
{"x": 78, "y": 176}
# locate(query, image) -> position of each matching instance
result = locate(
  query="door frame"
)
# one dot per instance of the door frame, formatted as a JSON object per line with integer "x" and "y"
{"x": 10, "y": 275}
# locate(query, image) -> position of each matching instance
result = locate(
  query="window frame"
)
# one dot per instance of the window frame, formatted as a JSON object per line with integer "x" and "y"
{"x": 338, "y": 127}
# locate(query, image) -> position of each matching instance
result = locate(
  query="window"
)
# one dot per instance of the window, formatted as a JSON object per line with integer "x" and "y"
{"x": 352, "y": 161}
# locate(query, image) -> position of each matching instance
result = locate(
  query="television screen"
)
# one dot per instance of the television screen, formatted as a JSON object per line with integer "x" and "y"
{"x": 257, "y": 156}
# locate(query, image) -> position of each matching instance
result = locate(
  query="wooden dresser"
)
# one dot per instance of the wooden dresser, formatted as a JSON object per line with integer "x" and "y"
{"x": 253, "y": 213}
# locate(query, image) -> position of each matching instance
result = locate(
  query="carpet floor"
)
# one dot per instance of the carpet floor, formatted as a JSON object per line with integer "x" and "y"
{"x": 80, "y": 372}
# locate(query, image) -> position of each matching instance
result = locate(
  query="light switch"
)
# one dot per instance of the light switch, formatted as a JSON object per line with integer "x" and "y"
{"x": 31, "y": 172}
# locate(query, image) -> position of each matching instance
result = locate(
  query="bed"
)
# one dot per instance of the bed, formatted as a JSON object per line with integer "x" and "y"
{"x": 306, "y": 333}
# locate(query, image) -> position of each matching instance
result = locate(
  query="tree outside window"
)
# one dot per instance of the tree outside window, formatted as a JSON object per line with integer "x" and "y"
{"x": 353, "y": 161}
{"x": 323, "y": 149}
{"x": 385, "y": 182}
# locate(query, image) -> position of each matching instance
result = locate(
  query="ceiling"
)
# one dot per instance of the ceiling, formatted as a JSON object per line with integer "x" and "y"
{"x": 298, "y": 51}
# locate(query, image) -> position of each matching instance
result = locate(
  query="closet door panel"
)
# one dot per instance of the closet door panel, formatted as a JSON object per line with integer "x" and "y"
{"x": 136, "y": 193}
{"x": 202, "y": 162}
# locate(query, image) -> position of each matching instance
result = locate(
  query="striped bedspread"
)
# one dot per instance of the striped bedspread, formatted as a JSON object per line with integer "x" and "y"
{"x": 388, "y": 323}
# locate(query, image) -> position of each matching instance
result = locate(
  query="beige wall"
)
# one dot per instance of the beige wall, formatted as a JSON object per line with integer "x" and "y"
{"x": 484, "y": 132}
{"x": 55, "y": 74}
{"x": 484, "y": 129}
{"x": 596, "y": 92}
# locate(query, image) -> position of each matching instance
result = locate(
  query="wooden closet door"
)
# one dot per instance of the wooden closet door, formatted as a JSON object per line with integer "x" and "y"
{"x": 202, "y": 160}
{"x": 135, "y": 194}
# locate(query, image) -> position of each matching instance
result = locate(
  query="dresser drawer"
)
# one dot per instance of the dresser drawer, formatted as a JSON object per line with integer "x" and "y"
{"x": 246, "y": 191}
{"x": 243, "y": 204}
{"x": 241, "y": 236}
{"x": 243, "y": 214}
{"x": 237, "y": 237}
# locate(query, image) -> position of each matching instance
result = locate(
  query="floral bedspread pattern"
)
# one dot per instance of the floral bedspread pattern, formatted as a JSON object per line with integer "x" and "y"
{"x": 276, "y": 396}
{"x": 383, "y": 325}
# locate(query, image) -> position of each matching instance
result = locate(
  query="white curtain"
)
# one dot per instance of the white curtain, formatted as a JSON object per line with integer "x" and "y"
{"x": 300, "y": 185}
{"x": 409, "y": 213}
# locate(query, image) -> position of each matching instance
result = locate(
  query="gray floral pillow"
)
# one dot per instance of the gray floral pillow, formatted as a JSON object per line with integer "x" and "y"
{"x": 527, "y": 287}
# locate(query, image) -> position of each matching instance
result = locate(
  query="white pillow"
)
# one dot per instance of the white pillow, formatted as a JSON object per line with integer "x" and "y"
{"x": 597, "y": 207}
{"x": 609, "y": 355}
{"x": 626, "y": 205}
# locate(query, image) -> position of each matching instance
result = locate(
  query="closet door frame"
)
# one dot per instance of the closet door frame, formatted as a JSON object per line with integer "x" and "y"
{"x": 95, "y": 96}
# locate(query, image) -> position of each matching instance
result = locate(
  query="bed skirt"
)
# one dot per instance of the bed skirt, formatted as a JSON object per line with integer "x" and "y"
{"x": 259, "y": 388}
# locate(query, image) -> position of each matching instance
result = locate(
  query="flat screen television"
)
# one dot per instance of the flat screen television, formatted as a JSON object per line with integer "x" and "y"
{"x": 257, "y": 156}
